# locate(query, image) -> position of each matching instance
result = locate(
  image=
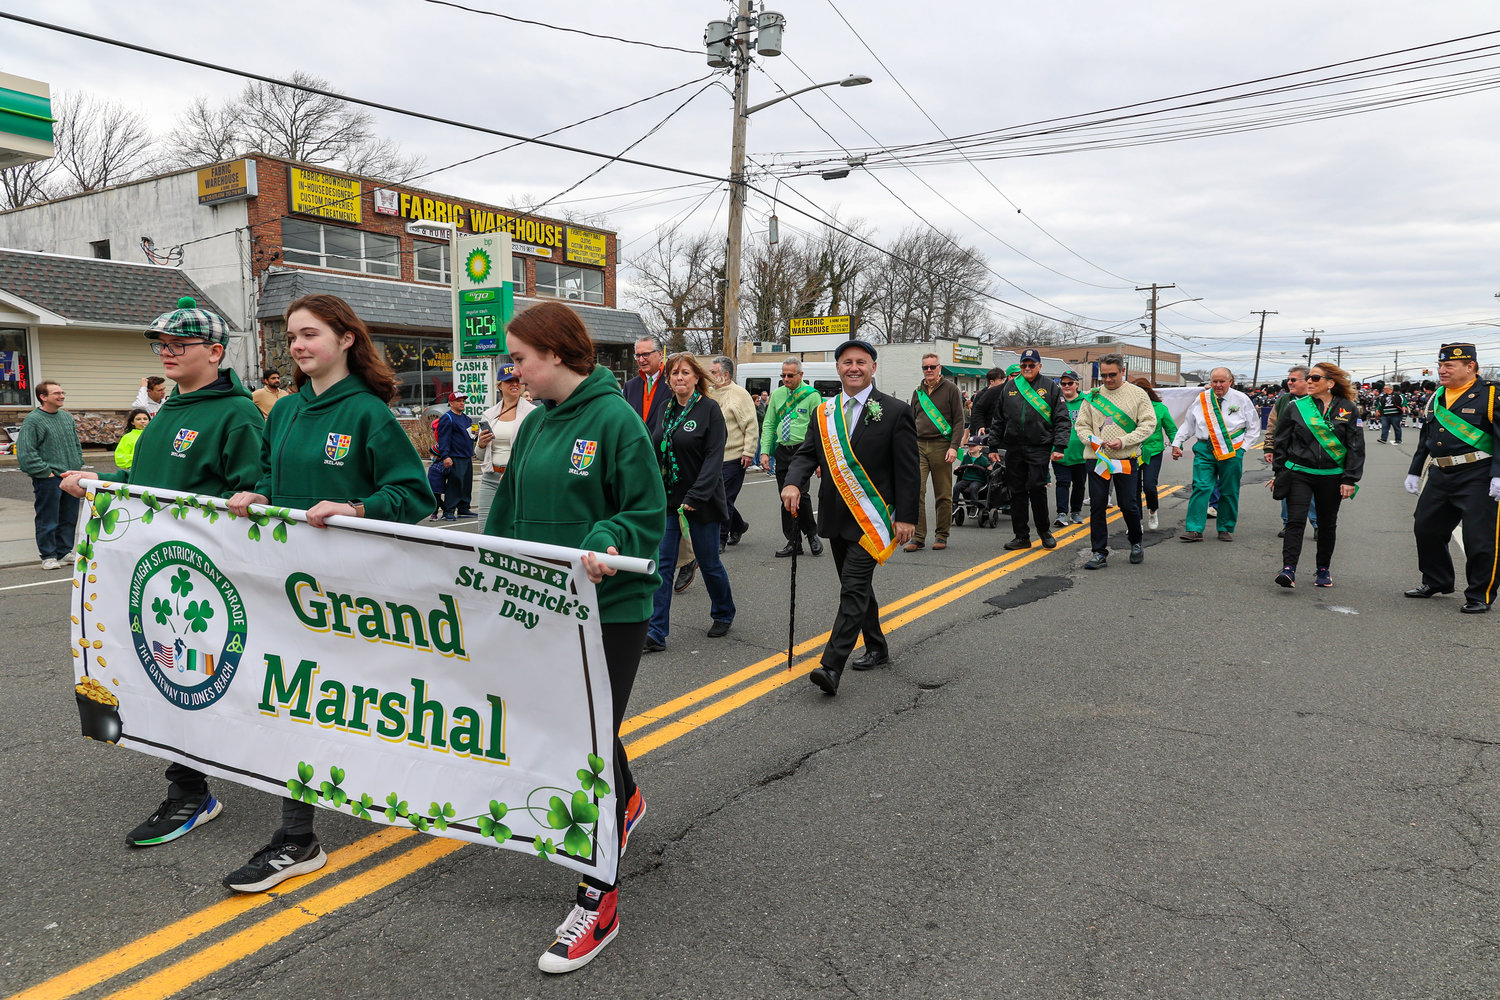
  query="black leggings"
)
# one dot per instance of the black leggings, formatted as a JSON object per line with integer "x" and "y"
{"x": 623, "y": 643}
{"x": 1302, "y": 490}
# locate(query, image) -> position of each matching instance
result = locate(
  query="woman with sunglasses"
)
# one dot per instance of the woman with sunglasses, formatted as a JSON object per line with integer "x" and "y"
{"x": 1319, "y": 457}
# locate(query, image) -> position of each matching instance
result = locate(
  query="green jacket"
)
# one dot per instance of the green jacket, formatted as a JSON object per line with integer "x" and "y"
{"x": 342, "y": 445}
{"x": 1156, "y": 444}
{"x": 205, "y": 442}
{"x": 1073, "y": 453}
{"x": 778, "y": 410}
{"x": 48, "y": 444}
{"x": 557, "y": 491}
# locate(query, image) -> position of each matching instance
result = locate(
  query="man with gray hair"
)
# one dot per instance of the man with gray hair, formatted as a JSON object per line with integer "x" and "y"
{"x": 1224, "y": 422}
{"x": 740, "y": 438}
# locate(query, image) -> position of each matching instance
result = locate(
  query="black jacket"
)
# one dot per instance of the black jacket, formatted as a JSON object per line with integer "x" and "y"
{"x": 982, "y": 407}
{"x": 887, "y": 448}
{"x": 1476, "y": 406}
{"x": 1017, "y": 424}
{"x": 699, "y": 447}
{"x": 1294, "y": 440}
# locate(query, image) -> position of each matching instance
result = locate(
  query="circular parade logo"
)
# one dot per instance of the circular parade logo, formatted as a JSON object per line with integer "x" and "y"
{"x": 188, "y": 624}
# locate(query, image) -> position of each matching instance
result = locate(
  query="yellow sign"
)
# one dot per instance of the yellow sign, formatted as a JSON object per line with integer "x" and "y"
{"x": 833, "y": 325}
{"x": 477, "y": 220}
{"x": 325, "y": 195}
{"x": 585, "y": 247}
{"x": 226, "y": 182}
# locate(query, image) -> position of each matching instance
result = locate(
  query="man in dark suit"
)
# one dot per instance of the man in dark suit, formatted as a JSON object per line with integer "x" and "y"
{"x": 883, "y": 438}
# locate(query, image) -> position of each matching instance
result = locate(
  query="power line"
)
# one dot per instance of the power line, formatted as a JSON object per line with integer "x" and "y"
{"x": 558, "y": 27}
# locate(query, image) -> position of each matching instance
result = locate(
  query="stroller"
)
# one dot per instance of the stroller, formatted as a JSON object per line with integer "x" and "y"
{"x": 982, "y": 503}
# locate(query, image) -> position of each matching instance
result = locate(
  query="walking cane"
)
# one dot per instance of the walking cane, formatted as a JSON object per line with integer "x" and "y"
{"x": 791, "y": 627}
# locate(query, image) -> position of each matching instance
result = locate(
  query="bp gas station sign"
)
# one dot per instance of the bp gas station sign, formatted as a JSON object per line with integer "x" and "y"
{"x": 484, "y": 299}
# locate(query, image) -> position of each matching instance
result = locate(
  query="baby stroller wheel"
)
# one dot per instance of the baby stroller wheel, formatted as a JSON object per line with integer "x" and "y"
{"x": 958, "y": 516}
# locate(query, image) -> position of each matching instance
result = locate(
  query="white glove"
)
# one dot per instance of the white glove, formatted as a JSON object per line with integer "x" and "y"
{"x": 1495, "y": 488}
{"x": 1414, "y": 484}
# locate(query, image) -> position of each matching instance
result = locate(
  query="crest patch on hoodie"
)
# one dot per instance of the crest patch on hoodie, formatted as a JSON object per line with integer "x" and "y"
{"x": 583, "y": 456}
{"x": 336, "y": 448}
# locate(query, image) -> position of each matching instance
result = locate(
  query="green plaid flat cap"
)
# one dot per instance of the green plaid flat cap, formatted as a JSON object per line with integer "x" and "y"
{"x": 187, "y": 320}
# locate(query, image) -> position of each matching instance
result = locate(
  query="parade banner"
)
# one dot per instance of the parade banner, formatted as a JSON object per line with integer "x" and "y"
{"x": 450, "y": 683}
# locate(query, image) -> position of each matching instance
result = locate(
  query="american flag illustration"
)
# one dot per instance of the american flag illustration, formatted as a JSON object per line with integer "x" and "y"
{"x": 163, "y": 655}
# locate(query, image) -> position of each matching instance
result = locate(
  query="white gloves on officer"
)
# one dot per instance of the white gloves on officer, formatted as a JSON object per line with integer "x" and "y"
{"x": 1414, "y": 485}
{"x": 1495, "y": 488}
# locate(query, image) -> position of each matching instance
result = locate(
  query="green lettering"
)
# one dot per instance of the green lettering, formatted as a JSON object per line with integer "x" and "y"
{"x": 467, "y": 735}
{"x": 401, "y": 615}
{"x": 339, "y": 602}
{"x": 393, "y": 716}
{"x": 315, "y": 613}
{"x": 362, "y": 697}
{"x": 371, "y": 624}
{"x": 451, "y": 643}
{"x": 496, "y": 749}
{"x": 330, "y": 710}
{"x": 422, "y": 709}
{"x": 278, "y": 691}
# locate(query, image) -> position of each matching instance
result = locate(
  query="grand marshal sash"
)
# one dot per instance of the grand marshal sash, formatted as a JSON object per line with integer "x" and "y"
{"x": 934, "y": 414}
{"x": 1224, "y": 443}
{"x": 1458, "y": 426}
{"x": 859, "y": 494}
{"x": 1033, "y": 397}
{"x": 1322, "y": 433}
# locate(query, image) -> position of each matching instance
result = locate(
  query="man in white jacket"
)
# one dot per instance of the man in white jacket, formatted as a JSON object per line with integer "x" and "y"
{"x": 1224, "y": 423}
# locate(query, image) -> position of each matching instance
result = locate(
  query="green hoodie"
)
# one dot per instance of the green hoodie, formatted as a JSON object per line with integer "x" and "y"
{"x": 1156, "y": 444}
{"x": 205, "y": 442}
{"x": 557, "y": 491}
{"x": 1073, "y": 454}
{"x": 344, "y": 446}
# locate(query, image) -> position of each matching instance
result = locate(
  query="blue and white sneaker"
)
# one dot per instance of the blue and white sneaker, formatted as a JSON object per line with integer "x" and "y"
{"x": 175, "y": 817}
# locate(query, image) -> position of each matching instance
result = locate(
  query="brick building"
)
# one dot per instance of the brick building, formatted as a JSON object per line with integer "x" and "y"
{"x": 1081, "y": 358}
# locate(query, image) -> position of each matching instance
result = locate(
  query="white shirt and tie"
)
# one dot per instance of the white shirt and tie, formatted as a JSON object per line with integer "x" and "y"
{"x": 854, "y": 406}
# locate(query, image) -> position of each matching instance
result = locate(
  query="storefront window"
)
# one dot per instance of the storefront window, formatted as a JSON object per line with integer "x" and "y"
{"x": 15, "y": 372}
{"x": 424, "y": 366}
{"x": 518, "y": 274}
{"x": 579, "y": 284}
{"x": 317, "y": 245}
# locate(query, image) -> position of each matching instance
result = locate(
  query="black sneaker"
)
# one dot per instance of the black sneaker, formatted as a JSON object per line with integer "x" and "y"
{"x": 275, "y": 863}
{"x": 175, "y": 817}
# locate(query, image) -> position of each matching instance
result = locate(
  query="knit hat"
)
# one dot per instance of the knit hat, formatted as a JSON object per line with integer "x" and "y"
{"x": 187, "y": 320}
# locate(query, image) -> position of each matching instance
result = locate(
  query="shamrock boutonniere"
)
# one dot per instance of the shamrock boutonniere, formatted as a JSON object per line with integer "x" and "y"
{"x": 874, "y": 410}
{"x": 1234, "y": 409}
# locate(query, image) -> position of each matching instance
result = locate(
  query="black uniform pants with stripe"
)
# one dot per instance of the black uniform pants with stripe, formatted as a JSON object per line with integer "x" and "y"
{"x": 1459, "y": 494}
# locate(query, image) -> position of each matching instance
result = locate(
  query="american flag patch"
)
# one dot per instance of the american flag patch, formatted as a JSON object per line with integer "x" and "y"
{"x": 163, "y": 655}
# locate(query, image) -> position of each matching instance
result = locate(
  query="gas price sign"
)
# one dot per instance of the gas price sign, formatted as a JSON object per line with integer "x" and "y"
{"x": 484, "y": 300}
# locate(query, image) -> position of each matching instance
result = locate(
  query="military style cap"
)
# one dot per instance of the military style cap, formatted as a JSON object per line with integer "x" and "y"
{"x": 1457, "y": 352}
{"x": 187, "y": 320}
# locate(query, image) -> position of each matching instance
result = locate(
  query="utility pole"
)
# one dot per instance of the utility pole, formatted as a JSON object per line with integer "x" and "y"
{"x": 1255, "y": 379}
{"x": 1338, "y": 353}
{"x": 1153, "y": 288}
{"x": 740, "y": 41}
{"x": 1312, "y": 338}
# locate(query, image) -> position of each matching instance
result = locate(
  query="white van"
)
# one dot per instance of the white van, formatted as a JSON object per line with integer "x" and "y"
{"x": 764, "y": 376}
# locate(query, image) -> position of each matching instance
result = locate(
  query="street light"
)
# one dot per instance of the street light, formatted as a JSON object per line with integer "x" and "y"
{"x": 729, "y": 44}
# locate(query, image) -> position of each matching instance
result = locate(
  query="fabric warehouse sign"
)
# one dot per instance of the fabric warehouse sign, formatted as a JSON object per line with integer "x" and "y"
{"x": 410, "y": 677}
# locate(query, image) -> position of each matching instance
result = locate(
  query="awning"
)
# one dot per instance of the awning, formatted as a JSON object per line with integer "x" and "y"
{"x": 969, "y": 371}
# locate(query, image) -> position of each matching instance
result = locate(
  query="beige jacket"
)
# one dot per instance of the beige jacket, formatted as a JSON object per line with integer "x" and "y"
{"x": 1134, "y": 401}
{"x": 740, "y": 432}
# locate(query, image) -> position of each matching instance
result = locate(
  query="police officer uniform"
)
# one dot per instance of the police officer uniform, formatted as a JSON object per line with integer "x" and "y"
{"x": 1463, "y": 481}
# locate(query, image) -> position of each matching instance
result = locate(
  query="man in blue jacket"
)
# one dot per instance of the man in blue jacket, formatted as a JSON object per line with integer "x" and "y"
{"x": 455, "y": 446}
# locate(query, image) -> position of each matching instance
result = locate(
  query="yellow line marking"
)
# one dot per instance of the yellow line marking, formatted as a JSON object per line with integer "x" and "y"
{"x": 269, "y": 930}
{"x": 160, "y": 942}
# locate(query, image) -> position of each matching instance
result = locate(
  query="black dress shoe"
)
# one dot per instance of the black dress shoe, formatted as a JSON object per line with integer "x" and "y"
{"x": 685, "y": 577}
{"x": 734, "y": 537}
{"x": 827, "y": 680}
{"x": 815, "y": 545}
{"x": 652, "y": 646}
{"x": 1018, "y": 543}
{"x": 718, "y": 630}
{"x": 1426, "y": 591}
{"x": 1048, "y": 542}
{"x": 787, "y": 549}
{"x": 1474, "y": 608}
{"x": 870, "y": 660}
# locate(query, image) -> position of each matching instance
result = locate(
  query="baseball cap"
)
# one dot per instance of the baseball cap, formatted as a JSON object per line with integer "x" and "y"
{"x": 454, "y": 397}
{"x": 1031, "y": 354}
{"x": 507, "y": 372}
{"x": 188, "y": 320}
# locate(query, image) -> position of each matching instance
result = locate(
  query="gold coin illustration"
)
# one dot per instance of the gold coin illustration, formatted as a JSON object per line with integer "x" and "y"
{"x": 92, "y": 578}
{"x": 75, "y": 654}
{"x": 100, "y": 660}
{"x": 84, "y": 643}
{"x": 98, "y": 643}
{"x": 75, "y": 618}
{"x": 115, "y": 682}
{"x": 87, "y": 607}
{"x": 99, "y": 626}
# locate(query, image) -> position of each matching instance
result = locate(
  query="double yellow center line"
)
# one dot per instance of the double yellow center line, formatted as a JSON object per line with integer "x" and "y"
{"x": 266, "y": 931}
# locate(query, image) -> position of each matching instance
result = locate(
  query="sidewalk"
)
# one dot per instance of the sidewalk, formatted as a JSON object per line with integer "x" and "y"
{"x": 17, "y": 524}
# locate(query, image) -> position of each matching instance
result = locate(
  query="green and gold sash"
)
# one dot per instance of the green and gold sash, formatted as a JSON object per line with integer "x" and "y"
{"x": 934, "y": 414}
{"x": 1322, "y": 432}
{"x": 1107, "y": 407}
{"x": 1458, "y": 426}
{"x": 1033, "y": 397}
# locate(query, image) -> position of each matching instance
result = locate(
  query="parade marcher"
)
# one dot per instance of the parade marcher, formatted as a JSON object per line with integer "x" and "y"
{"x": 1151, "y": 452}
{"x": 939, "y": 411}
{"x": 690, "y": 450}
{"x": 135, "y": 422}
{"x": 454, "y": 446}
{"x": 1224, "y": 423}
{"x": 1392, "y": 413}
{"x": 1115, "y": 419}
{"x": 46, "y": 448}
{"x": 269, "y": 392}
{"x": 616, "y": 506}
{"x": 864, "y": 445}
{"x": 151, "y": 393}
{"x": 1296, "y": 387}
{"x": 647, "y": 394}
{"x": 331, "y": 448}
{"x": 1319, "y": 456}
{"x": 205, "y": 440}
{"x": 504, "y": 419}
{"x": 982, "y": 407}
{"x": 1031, "y": 426}
{"x": 1071, "y": 470}
{"x": 788, "y": 418}
{"x": 1463, "y": 481}
{"x": 741, "y": 436}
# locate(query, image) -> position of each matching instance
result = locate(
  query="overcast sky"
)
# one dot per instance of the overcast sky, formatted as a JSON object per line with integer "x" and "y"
{"x": 1380, "y": 229}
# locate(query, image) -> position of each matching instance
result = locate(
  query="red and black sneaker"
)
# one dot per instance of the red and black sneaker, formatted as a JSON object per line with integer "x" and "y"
{"x": 634, "y": 810}
{"x": 592, "y": 924}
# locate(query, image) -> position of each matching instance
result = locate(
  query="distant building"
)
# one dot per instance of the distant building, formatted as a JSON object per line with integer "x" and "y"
{"x": 1082, "y": 358}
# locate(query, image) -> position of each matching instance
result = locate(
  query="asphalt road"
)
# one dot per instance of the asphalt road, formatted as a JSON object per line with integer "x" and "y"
{"x": 1170, "y": 780}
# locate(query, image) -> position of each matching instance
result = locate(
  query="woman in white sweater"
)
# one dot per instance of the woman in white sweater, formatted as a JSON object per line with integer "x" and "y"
{"x": 504, "y": 419}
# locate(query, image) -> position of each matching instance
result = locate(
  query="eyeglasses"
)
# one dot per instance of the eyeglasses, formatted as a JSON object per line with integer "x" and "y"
{"x": 1028, "y": 364}
{"x": 929, "y": 368}
{"x": 643, "y": 357}
{"x": 175, "y": 349}
{"x": 1111, "y": 374}
{"x": 1316, "y": 378}
{"x": 1066, "y": 381}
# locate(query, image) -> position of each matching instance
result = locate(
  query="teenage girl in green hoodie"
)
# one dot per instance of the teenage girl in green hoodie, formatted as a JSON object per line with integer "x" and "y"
{"x": 583, "y": 473}
{"x": 332, "y": 447}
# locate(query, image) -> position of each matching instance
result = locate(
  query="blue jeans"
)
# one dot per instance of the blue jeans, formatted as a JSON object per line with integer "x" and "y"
{"x": 1387, "y": 421}
{"x": 56, "y": 517}
{"x": 1072, "y": 480}
{"x": 706, "y": 545}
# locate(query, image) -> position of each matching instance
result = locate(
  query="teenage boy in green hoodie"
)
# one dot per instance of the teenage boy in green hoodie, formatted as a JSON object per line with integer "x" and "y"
{"x": 205, "y": 439}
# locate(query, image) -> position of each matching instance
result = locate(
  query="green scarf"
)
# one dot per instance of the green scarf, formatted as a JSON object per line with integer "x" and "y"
{"x": 671, "y": 421}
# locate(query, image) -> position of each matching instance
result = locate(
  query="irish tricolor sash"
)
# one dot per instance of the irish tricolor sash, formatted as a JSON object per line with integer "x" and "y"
{"x": 1224, "y": 443}
{"x": 860, "y": 495}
